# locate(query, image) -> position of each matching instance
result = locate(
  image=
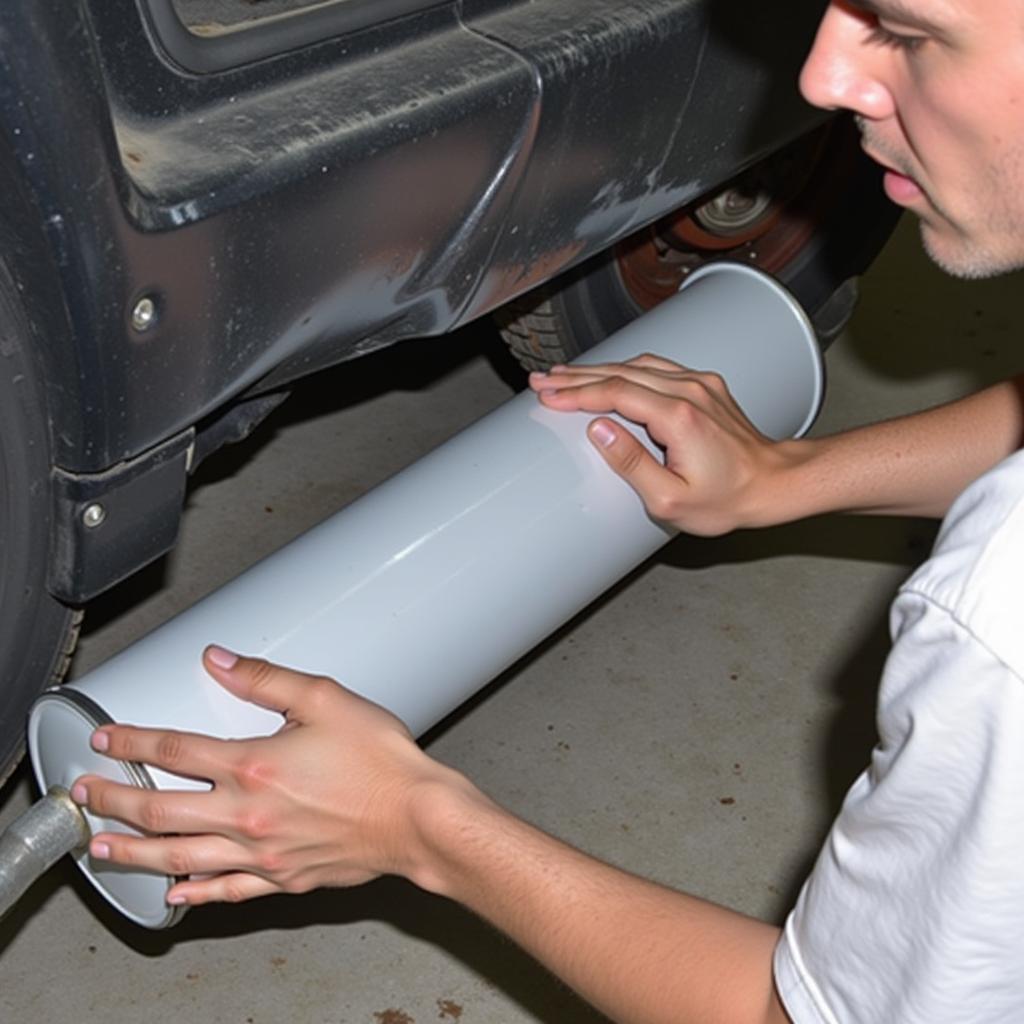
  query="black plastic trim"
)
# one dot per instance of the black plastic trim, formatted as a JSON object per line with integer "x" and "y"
{"x": 141, "y": 502}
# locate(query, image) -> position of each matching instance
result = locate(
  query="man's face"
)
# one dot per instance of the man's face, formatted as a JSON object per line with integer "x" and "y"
{"x": 938, "y": 90}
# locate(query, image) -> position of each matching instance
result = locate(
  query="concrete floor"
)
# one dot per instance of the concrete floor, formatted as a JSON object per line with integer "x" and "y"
{"x": 698, "y": 725}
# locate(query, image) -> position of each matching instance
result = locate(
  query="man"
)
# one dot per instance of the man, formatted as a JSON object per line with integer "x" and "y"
{"x": 915, "y": 909}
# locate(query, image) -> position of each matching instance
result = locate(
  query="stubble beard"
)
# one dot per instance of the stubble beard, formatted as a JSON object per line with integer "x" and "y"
{"x": 968, "y": 260}
{"x": 968, "y": 263}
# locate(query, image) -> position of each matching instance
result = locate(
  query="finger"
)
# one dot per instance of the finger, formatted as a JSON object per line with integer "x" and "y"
{"x": 658, "y": 488}
{"x": 665, "y": 375}
{"x": 648, "y": 407}
{"x": 262, "y": 682}
{"x": 649, "y": 361}
{"x": 150, "y": 810}
{"x": 580, "y": 372}
{"x": 646, "y": 360}
{"x": 715, "y": 384}
{"x": 559, "y": 379}
{"x": 697, "y": 387}
{"x": 182, "y": 753}
{"x": 235, "y": 887}
{"x": 180, "y": 856}
{"x": 577, "y": 374}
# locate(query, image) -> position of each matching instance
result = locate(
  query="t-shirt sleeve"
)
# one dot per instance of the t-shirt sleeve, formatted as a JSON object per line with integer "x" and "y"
{"x": 914, "y": 911}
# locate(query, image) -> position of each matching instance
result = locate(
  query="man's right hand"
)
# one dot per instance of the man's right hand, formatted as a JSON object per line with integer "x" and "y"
{"x": 719, "y": 471}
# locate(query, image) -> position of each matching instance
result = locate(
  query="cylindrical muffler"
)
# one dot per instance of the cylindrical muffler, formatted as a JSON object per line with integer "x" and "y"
{"x": 426, "y": 588}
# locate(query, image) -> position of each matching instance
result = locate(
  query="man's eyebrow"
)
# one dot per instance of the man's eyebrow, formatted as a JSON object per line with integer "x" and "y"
{"x": 897, "y": 10}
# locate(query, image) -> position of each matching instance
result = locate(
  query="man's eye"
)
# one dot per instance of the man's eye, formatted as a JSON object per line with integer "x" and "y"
{"x": 884, "y": 37}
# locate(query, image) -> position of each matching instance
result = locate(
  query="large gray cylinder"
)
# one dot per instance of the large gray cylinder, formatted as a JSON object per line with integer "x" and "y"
{"x": 426, "y": 588}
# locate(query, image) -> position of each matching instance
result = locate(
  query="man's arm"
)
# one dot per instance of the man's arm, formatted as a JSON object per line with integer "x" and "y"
{"x": 637, "y": 951}
{"x": 719, "y": 473}
{"x": 342, "y": 793}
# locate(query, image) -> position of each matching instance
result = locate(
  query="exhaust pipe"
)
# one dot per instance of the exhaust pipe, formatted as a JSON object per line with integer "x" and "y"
{"x": 36, "y": 840}
{"x": 423, "y": 590}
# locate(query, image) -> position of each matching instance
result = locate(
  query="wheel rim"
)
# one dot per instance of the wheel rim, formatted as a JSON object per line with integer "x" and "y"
{"x": 765, "y": 217}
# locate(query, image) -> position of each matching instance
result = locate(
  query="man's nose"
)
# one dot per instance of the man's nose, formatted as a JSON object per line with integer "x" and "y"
{"x": 845, "y": 70}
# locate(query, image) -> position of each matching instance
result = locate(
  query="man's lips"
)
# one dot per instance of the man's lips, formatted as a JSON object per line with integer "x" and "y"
{"x": 899, "y": 187}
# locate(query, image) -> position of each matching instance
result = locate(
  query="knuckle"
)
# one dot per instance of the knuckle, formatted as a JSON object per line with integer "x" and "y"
{"x": 170, "y": 749}
{"x": 685, "y": 413}
{"x": 662, "y": 505}
{"x": 233, "y": 891}
{"x": 253, "y": 773}
{"x": 271, "y": 864}
{"x": 152, "y": 815}
{"x": 261, "y": 675}
{"x": 616, "y": 388}
{"x": 315, "y": 693}
{"x": 179, "y": 862}
{"x": 630, "y": 460}
{"x": 320, "y": 692}
{"x": 715, "y": 382}
{"x": 254, "y": 825}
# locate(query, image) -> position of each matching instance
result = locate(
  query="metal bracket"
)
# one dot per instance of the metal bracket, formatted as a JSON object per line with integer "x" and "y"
{"x": 106, "y": 525}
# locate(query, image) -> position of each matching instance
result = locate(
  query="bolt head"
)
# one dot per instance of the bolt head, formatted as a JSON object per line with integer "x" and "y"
{"x": 144, "y": 314}
{"x": 94, "y": 515}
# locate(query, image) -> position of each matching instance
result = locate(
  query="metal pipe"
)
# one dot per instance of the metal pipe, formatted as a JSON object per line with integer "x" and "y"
{"x": 36, "y": 840}
{"x": 426, "y": 588}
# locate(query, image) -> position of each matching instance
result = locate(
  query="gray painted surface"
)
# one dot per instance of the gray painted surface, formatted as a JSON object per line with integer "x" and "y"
{"x": 698, "y": 725}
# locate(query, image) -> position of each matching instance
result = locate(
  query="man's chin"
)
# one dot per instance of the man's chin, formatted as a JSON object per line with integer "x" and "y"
{"x": 961, "y": 258}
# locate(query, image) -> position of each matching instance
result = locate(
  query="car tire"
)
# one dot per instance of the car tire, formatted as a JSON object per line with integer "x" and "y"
{"x": 37, "y": 633}
{"x": 815, "y": 240}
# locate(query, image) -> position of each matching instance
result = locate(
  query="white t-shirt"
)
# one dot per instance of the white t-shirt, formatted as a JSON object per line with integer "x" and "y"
{"x": 914, "y": 912}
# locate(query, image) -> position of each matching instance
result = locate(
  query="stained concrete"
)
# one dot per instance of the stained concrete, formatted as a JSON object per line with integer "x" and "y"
{"x": 698, "y": 725}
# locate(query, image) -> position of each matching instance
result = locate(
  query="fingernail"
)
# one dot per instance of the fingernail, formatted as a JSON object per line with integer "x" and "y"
{"x": 602, "y": 434}
{"x": 548, "y": 393}
{"x": 176, "y": 900}
{"x": 538, "y": 373}
{"x": 101, "y": 851}
{"x": 221, "y": 657}
{"x": 79, "y": 793}
{"x": 100, "y": 741}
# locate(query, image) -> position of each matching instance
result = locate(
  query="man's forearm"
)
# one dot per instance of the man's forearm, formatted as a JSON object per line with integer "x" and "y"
{"x": 913, "y": 465}
{"x": 637, "y": 951}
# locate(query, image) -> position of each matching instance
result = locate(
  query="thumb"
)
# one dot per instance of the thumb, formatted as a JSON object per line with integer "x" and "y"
{"x": 258, "y": 681}
{"x": 626, "y": 455}
{"x": 659, "y": 488}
